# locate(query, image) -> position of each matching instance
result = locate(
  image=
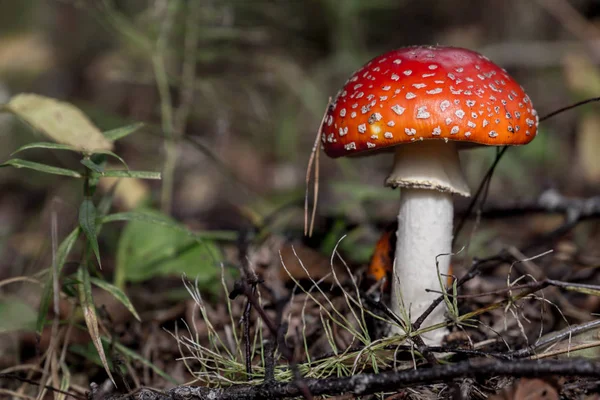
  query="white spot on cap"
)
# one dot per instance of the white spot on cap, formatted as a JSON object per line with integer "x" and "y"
{"x": 375, "y": 117}
{"x": 375, "y": 137}
{"x": 397, "y": 61}
{"x": 471, "y": 124}
{"x": 353, "y": 115}
{"x": 344, "y": 131}
{"x": 454, "y": 130}
{"x": 410, "y": 95}
{"x": 434, "y": 91}
{"x": 330, "y": 120}
{"x": 388, "y": 135}
{"x": 391, "y": 123}
{"x": 428, "y": 75}
{"x": 444, "y": 105}
{"x": 350, "y": 146}
{"x": 470, "y": 103}
{"x": 459, "y": 113}
{"x": 362, "y": 128}
{"x": 419, "y": 85}
{"x": 467, "y": 134}
{"x": 343, "y": 112}
{"x": 370, "y": 145}
{"x": 410, "y": 131}
{"x": 407, "y": 72}
{"x": 422, "y": 113}
{"x": 448, "y": 121}
{"x": 437, "y": 131}
{"x": 398, "y": 109}
{"x": 485, "y": 123}
{"x": 386, "y": 88}
{"x": 493, "y": 134}
{"x": 433, "y": 66}
{"x": 395, "y": 77}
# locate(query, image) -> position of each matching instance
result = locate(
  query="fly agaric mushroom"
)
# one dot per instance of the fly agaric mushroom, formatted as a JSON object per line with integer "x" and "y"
{"x": 424, "y": 104}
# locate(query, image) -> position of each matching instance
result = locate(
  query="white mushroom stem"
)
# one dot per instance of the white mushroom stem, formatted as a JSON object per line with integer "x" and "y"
{"x": 429, "y": 173}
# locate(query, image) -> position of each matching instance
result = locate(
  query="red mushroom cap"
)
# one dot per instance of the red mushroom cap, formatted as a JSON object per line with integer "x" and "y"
{"x": 428, "y": 93}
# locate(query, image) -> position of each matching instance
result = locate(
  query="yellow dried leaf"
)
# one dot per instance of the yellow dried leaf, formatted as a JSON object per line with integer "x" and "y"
{"x": 60, "y": 121}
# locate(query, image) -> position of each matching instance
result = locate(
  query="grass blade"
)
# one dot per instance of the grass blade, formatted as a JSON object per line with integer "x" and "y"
{"x": 135, "y": 356}
{"x": 130, "y": 174}
{"x": 120, "y": 133}
{"x": 18, "y": 163}
{"x": 61, "y": 256}
{"x": 92, "y": 166}
{"x": 45, "y": 145}
{"x": 110, "y": 153}
{"x": 117, "y": 294}
{"x": 87, "y": 222}
{"x": 89, "y": 314}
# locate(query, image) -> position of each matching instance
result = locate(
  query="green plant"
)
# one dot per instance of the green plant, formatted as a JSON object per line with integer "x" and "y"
{"x": 70, "y": 130}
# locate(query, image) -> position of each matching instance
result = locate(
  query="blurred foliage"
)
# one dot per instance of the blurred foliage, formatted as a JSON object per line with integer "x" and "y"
{"x": 148, "y": 250}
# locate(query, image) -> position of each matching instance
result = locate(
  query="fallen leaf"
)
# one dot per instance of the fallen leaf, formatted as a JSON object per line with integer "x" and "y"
{"x": 529, "y": 389}
{"x": 60, "y": 121}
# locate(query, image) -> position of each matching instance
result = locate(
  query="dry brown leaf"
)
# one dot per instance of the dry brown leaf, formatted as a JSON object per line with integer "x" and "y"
{"x": 295, "y": 256}
{"x": 529, "y": 389}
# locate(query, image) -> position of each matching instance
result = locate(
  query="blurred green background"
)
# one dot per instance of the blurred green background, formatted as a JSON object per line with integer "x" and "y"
{"x": 240, "y": 87}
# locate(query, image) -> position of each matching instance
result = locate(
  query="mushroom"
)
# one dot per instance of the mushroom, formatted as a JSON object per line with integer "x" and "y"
{"x": 425, "y": 103}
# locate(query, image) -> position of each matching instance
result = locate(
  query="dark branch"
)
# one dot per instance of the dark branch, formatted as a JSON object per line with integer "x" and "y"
{"x": 364, "y": 384}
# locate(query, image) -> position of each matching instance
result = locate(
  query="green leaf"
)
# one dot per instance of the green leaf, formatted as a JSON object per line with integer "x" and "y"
{"x": 61, "y": 256}
{"x": 117, "y": 294}
{"x": 120, "y": 133}
{"x": 130, "y": 174}
{"x": 87, "y": 222}
{"x": 89, "y": 314}
{"x": 110, "y": 153}
{"x": 156, "y": 218}
{"x": 147, "y": 249}
{"x": 60, "y": 121}
{"x": 92, "y": 166}
{"x": 16, "y": 315}
{"x": 45, "y": 145}
{"x": 18, "y": 163}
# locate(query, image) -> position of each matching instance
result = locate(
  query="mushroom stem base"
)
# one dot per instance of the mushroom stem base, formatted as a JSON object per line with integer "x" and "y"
{"x": 424, "y": 233}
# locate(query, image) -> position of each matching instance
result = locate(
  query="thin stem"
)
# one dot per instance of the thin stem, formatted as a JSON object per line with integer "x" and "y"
{"x": 166, "y": 106}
